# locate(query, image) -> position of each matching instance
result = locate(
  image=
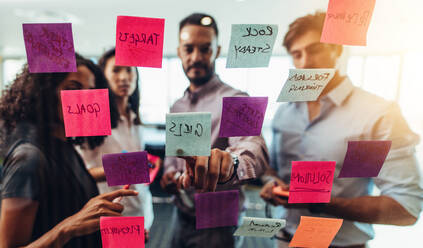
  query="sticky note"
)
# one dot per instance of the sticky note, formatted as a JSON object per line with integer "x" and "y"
{"x": 251, "y": 45}
{"x": 49, "y": 47}
{"x": 311, "y": 181}
{"x": 315, "y": 232}
{"x": 139, "y": 41}
{"x": 365, "y": 158}
{"x": 122, "y": 231}
{"x": 347, "y": 22}
{"x": 188, "y": 134}
{"x": 305, "y": 84}
{"x": 86, "y": 112}
{"x": 126, "y": 168}
{"x": 216, "y": 209}
{"x": 259, "y": 227}
{"x": 242, "y": 116}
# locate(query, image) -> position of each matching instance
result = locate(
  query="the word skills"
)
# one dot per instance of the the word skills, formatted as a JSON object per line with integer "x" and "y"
{"x": 365, "y": 158}
{"x": 347, "y": 22}
{"x": 216, "y": 209}
{"x": 126, "y": 168}
{"x": 139, "y": 41}
{"x": 311, "y": 181}
{"x": 242, "y": 116}
{"x": 188, "y": 134}
{"x": 259, "y": 227}
{"x": 305, "y": 85}
{"x": 251, "y": 45}
{"x": 86, "y": 112}
{"x": 49, "y": 47}
{"x": 122, "y": 231}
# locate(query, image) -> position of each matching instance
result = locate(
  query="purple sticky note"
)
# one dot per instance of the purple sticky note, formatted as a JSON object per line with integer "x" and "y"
{"x": 242, "y": 116}
{"x": 126, "y": 168}
{"x": 49, "y": 47}
{"x": 365, "y": 158}
{"x": 215, "y": 209}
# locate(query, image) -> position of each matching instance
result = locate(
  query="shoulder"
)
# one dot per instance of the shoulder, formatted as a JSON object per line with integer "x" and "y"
{"x": 25, "y": 155}
{"x": 373, "y": 104}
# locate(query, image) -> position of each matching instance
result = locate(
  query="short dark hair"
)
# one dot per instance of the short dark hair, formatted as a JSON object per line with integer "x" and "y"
{"x": 134, "y": 99}
{"x": 198, "y": 19}
{"x": 310, "y": 22}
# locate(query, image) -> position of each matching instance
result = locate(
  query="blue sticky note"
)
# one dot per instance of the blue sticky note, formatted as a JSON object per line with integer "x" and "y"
{"x": 251, "y": 45}
{"x": 188, "y": 134}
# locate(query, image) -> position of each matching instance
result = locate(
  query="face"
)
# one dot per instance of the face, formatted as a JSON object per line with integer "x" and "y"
{"x": 122, "y": 79}
{"x": 82, "y": 79}
{"x": 307, "y": 52}
{"x": 198, "y": 51}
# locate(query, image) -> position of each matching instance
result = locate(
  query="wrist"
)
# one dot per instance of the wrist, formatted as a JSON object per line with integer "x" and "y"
{"x": 65, "y": 231}
{"x": 235, "y": 163}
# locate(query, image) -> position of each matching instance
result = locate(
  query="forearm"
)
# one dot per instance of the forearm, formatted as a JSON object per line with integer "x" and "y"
{"x": 370, "y": 209}
{"x": 98, "y": 174}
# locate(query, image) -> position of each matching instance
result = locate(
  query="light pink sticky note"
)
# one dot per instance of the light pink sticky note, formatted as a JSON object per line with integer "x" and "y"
{"x": 122, "y": 232}
{"x": 311, "y": 181}
{"x": 139, "y": 41}
{"x": 347, "y": 22}
{"x": 86, "y": 112}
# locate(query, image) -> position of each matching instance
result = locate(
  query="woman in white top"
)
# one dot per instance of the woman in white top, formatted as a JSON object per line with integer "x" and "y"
{"x": 123, "y": 82}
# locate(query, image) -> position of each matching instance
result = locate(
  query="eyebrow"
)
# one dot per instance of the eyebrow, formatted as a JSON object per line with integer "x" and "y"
{"x": 298, "y": 50}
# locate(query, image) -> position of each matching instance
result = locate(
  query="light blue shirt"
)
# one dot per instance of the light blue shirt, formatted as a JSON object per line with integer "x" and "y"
{"x": 348, "y": 113}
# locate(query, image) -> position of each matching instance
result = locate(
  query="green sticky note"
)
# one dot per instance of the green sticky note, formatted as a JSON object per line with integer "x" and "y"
{"x": 188, "y": 134}
{"x": 251, "y": 45}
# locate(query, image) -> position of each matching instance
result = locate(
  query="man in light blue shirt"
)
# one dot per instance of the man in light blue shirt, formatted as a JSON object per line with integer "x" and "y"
{"x": 320, "y": 131}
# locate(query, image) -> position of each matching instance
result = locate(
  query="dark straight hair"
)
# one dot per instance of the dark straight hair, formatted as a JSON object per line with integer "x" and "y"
{"x": 134, "y": 99}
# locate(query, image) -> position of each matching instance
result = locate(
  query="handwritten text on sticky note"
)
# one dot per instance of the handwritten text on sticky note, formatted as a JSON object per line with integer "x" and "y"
{"x": 122, "y": 231}
{"x": 365, "y": 158}
{"x": 242, "y": 116}
{"x": 126, "y": 168}
{"x": 311, "y": 181}
{"x": 251, "y": 45}
{"x": 305, "y": 84}
{"x": 259, "y": 227}
{"x": 188, "y": 134}
{"x": 49, "y": 47}
{"x": 347, "y": 22}
{"x": 86, "y": 112}
{"x": 139, "y": 41}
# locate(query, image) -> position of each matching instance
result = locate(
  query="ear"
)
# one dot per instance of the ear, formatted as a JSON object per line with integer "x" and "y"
{"x": 218, "y": 51}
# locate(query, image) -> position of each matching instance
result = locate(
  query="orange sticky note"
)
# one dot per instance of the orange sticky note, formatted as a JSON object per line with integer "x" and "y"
{"x": 139, "y": 41}
{"x": 122, "y": 232}
{"x": 347, "y": 22}
{"x": 86, "y": 112}
{"x": 315, "y": 232}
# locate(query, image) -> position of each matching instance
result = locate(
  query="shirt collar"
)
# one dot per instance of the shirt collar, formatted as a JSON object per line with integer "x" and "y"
{"x": 202, "y": 90}
{"x": 340, "y": 92}
{"x": 132, "y": 116}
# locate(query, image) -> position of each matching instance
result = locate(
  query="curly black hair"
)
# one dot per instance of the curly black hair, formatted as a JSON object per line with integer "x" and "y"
{"x": 32, "y": 99}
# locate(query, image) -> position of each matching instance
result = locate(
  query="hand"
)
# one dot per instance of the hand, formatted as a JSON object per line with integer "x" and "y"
{"x": 267, "y": 193}
{"x": 87, "y": 220}
{"x": 169, "y": 182}
{"x": 205, "y": 172}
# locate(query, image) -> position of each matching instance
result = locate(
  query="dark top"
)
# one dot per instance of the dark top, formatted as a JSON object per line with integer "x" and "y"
{"x": 57, "y": 180}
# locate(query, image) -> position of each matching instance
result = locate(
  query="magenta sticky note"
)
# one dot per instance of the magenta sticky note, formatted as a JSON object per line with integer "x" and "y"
{"x": 216, "y": 209}
{"x": 139, "y": 41}
{"x": 242, "y": 116}
{"x": 311, "y": 181}
{"x": 49, "y": 47}
{"x": 126, "y": 168}
{"x": 86, "y": 112}
{"x": 365, "y": 158}
{"x": 122, "y": 232}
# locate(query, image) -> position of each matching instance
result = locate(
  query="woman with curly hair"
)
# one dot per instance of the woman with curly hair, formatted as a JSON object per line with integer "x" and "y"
{"x": 48, "y": 198}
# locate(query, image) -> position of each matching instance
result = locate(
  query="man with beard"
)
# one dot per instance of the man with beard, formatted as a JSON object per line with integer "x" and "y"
{"x": 232, "y": 160}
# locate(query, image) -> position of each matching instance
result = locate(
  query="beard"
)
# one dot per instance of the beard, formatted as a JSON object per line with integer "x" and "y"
{"x": 199, "y": 81}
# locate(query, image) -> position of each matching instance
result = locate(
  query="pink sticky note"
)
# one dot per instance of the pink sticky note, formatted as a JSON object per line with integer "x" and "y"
{"x": 122, "y": 231}
{"x": 365, "y": 158}
{"x": 126, "y": 168}
{"x": 242, "y": 116}
{"x": 215, "y": 209}
{"x": 49, "y": 47}
{"x": 347, "y": 22}
{"x": 139, "y": 41}
{"x": 86, "y": 112}
{"x": 311, "y": 181}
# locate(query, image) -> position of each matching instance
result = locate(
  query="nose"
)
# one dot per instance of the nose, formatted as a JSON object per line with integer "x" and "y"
{"x": 123, "y": 76}
{"x": 196, "y": 55}
{"x": 307, "y": 61}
